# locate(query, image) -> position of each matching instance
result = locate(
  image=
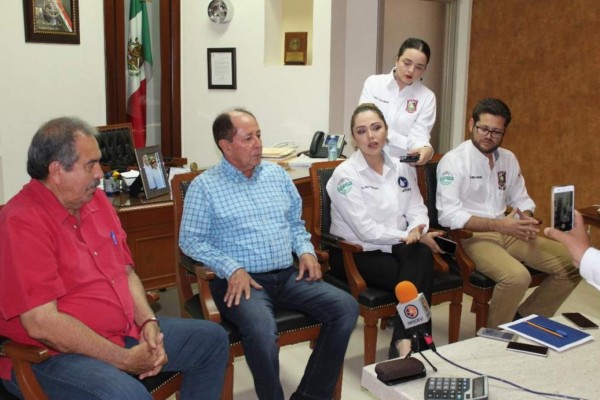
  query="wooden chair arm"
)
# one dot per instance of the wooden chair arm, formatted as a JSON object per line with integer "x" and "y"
{"x": 466, "y": 265}
{"x": 439, "y": 264}
{"x": 152, "y": 297}
{"x": 323, "y": 259}
{"x": 355, "y": 280}
{"x": 209, "y": 309}
{"x": 22, "y": 357}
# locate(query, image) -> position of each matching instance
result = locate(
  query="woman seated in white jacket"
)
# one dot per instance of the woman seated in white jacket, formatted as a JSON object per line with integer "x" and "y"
{"x": 375, "y": 202}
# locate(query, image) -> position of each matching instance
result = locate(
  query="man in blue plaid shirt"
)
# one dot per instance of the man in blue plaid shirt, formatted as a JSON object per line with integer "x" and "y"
{"x": 243, "y": 219}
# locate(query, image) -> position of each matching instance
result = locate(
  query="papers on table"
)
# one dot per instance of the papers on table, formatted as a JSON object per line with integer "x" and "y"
{"x": 548, "y": 332}
{"x": 277, "y": 152}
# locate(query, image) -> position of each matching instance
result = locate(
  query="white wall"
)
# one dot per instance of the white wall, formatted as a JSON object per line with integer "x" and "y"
{"x": 42, "y": 81}
{"x": 290, "y": 102}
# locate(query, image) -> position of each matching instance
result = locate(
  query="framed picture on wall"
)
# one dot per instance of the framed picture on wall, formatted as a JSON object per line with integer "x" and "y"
{"x": 152, "y": 171}
{"x": 51, "y": 21}
{"x": 221, "y": 68}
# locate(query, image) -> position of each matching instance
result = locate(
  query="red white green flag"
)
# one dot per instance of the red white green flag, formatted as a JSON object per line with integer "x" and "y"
{"x": 139, "y": 67}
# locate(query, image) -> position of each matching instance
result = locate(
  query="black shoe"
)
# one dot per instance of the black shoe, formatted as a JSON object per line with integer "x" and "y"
{"x": 393, "y": 351}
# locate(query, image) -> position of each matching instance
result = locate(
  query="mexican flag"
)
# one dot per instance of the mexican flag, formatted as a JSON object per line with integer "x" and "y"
{"x": 139, "y": 67}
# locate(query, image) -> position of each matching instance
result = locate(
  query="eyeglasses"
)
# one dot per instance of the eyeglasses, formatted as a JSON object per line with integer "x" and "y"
{"x": 484, "y": 131}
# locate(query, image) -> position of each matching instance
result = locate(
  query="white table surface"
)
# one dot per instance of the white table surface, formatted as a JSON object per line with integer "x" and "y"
{"x": 574, "y": 372}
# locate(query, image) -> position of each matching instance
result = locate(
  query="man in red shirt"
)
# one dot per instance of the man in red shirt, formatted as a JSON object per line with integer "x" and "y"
{"x": 68, "y": 284}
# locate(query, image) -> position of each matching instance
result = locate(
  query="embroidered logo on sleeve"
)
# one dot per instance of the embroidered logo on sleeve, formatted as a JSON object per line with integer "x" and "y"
{"x": 411, "y": 105}
{"x": 344, "y": 186}
{"x": 446, "y": 178}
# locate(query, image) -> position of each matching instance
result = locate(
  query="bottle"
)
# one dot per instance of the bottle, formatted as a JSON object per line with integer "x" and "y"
{"x": 332, "y": 150}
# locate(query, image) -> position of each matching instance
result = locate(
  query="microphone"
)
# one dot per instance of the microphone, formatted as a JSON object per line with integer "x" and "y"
{"x": 413, "y": 310}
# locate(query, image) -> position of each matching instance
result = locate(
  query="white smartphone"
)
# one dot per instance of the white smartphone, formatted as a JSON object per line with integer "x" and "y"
{"x": 528, "y": 348}
{"x": 563, "y": 207}
{"x": 497, "y": 334}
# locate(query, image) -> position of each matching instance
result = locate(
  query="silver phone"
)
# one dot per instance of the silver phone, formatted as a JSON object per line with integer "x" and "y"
{"x": 563, "y": 207}
{"x": 497, "y": 334}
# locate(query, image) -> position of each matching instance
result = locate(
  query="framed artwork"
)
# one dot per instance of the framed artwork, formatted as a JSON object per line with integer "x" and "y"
{"x": 51, "y": 21}
{"x": 152, "y": 171}
{"x": 221, "y": 68}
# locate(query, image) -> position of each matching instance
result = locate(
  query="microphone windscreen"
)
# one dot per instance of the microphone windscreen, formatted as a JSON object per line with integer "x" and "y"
{"x": 406, "y": 291}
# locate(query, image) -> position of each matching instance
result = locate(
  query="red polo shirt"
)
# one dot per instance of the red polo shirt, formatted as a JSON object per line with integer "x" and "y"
{"x": 46, "y": 255}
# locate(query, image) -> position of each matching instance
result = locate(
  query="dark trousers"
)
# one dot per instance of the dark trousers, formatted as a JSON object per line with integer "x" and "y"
{"x": 413, "y": 262}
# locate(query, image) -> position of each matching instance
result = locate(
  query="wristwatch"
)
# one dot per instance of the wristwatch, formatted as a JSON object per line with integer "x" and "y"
{"x": 220, "y": 11}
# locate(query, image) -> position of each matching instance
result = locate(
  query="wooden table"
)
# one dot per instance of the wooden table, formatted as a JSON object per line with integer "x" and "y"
{"x": 150, "y": 229}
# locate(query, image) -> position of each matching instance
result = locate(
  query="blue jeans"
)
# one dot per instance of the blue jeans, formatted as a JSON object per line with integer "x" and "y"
{"x": 199, "y": 349}
{"x": 335, "y": 309}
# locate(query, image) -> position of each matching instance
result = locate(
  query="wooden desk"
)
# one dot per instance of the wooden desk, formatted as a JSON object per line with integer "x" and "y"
{"x": 149, "y": 225}
{"x": 590, "y": 215}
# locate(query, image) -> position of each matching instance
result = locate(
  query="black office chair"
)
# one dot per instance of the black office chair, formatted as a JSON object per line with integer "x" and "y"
{"x": 375, "y": 304}
{"x": 475, "y": 284}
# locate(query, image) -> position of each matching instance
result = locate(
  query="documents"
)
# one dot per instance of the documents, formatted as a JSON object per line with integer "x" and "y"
{"x": 548, "y": 332}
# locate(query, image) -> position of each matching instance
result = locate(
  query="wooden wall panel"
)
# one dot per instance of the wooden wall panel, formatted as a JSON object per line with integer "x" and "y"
{"x": 542, "y": 58}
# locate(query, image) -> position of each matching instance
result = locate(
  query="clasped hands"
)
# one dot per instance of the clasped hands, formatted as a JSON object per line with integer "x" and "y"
{"x": 148, "y": 357}
{"x": 524, "y": 227}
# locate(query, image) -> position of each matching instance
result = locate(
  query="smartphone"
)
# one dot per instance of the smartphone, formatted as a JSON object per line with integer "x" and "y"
{"x": 563, "y": 207}
{"x": 528, "y": 348}
{"x": 580, "y": 320}
{"x": 497, "y": 334}
{"x": 410, "y": 158}
{"x": 447, "y": 245}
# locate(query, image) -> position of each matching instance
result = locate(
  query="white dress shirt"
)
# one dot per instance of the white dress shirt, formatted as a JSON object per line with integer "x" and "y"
{"x": 374, "y": 210}
{"x": 468, "y": 187}
{"x": 409, "y": 113}
{"x": 589, "y": 267}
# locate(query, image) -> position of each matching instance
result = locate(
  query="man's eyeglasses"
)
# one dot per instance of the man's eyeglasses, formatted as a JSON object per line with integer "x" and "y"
{"x": 484, "y": 131}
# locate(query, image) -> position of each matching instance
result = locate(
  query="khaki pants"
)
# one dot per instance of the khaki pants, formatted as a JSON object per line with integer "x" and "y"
{"x": 501, "y": 257}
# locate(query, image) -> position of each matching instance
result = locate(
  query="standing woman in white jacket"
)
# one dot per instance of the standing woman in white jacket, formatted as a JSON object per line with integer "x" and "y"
{"x": 407, "y": 104}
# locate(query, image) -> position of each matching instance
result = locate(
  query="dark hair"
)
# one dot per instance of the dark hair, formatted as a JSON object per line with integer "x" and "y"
{"x": 363, "y": 108}
{"x": 223, "y": 126}
{"x": 492, "y": 106}
{"x": 55, "y": 141}
{"x": 417, "y": 44}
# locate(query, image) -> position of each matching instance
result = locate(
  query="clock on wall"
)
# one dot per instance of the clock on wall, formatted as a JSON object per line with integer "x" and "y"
{"x": 220, "y": 11}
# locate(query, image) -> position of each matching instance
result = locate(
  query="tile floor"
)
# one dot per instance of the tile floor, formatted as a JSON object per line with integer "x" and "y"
{"x": 585, "y": 299}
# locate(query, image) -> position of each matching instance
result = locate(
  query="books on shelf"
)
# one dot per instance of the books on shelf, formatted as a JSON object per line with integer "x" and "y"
{"x": 548, "y": 332}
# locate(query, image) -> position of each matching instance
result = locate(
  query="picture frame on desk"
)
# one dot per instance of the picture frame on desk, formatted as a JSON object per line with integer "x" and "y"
{"x": 51, "y": 21}
{"x": 152, "y": 171}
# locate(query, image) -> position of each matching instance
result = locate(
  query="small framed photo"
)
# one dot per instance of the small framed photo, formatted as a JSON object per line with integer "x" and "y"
{"x": 221, "y": 68}
{"x": 51, "y": 21}
{"x": 152, "y": 171}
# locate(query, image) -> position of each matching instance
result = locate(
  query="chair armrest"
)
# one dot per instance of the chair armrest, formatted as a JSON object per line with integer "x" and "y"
{"x": 323, "y": 259}
{"x": 466, "y": 265}
{"x": 207, "y": 302}
{"x": 439, "y": 264}
{"x": 22, "y": 357}
{"x": 152, "y": 297}
{"x": 355, "y": 280}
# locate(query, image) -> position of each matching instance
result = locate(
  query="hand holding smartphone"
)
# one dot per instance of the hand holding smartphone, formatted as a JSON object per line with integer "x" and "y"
{"x": 563, "y": 207}
{"x": 448, "y": 246}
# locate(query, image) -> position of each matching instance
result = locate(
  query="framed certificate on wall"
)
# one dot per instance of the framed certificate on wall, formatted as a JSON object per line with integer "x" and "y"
{"x": 295, "y": 48}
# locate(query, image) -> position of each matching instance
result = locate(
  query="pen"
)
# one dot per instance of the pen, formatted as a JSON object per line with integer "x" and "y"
{"x": 548, "y": 330}
{"x": 114, "y": 237}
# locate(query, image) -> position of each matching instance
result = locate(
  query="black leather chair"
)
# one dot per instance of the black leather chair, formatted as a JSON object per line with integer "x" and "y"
{"x": 293, "y": 326}
{"x": 375, "y": 304}
{"x": 116, "y": 146}
{"x": 475, "y": 284}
